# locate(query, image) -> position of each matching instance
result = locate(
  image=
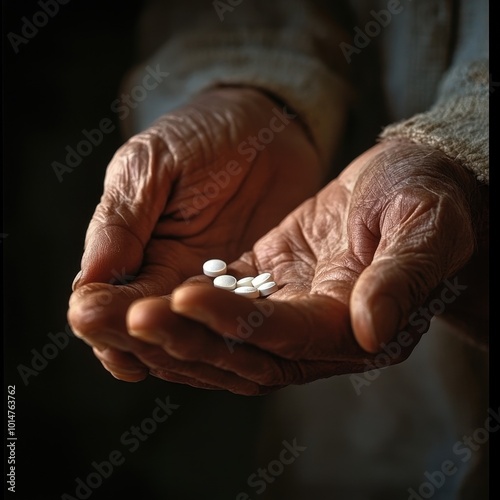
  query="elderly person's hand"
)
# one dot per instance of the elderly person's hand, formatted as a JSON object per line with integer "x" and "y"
{"x": 208, "y": 179}
{"x": 353, "y": 263}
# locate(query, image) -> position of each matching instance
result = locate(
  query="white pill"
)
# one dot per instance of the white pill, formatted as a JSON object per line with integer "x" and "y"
{"x": 245, "y": 281}
{"x": 247, "y": 291}
{"x": 226, "y": 281}
{"x": 267, "y": 288}
{"x": 261, "y": 279}
{"x": 214, "y": 268}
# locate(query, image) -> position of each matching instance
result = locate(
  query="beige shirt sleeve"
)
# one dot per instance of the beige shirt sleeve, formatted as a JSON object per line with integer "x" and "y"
{"x": 290, "y": 49}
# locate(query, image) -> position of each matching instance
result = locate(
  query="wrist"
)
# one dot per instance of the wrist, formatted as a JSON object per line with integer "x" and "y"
{"x": 459, "y": 182}
{"x": 260, "y": 97}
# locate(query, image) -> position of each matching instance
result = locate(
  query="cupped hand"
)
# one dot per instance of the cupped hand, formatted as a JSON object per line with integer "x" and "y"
{"x": 204, "y": 181}
{"x": 353, "y": 263}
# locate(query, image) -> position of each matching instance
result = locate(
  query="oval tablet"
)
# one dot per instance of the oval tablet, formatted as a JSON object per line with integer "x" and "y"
{"x": 245, "y": 281}
{"x": 267, "y": 288}
{"x": 214, "y": 268}
{"x": 261, "y": 279}
{"x": 247, "y": 291}
{"x": 225, "y": 281}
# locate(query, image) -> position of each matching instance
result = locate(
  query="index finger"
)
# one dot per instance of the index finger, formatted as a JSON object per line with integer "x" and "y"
{"x": 312, "y": 327}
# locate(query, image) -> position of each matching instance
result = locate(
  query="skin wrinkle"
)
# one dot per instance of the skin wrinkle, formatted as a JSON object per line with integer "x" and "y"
{"x": 287, "y": 262}
{"x": 233, "y": 245}
{"x": 232, "y": 128}
{"x": 297, "y": 242}
{"x": 154, "y": 153}
{"x": 165, "y": 267}
{"x": 305, "y": 226}
{"x": 222, "y": 207}
{"x": 430, "y": 232}
{"x": 345, "y": 271}
{"x": 147, "y": 149}
{"x": 185, "y": 152}
{"x": 176, "y": 147}
{"x": 148, "y": 287}
{"x": 233, "y": 381}
{"x": 269, "y": 185}
{"x": 199, "y": 140}
{"x": 417, "y": 281}
{"x": 270, "y": 369}
{"x": 344, "y": 194}
{"x": 423, "y": 222}
{"x": 176, "y": 378}
{"x": 362, "y": 242}
{"x": 224, "y": 119}
{"x": 292, "y": 372}
{"x": 299, "y": 351}
{"x": 104, "y": 230}
{"x": 118, "y": 212}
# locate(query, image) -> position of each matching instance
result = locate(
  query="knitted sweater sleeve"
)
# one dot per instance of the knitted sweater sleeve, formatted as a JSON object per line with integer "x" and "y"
{"x": 457, "y": 123}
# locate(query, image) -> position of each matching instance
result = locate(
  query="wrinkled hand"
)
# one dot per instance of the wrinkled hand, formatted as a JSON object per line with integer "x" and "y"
{"x": 353, "y": 263}
{"x": 204, "y": 181}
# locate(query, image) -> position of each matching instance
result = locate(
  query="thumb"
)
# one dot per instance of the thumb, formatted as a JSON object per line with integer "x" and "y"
{"x": 424, "y": 240}
{"x": 136, "y": 188}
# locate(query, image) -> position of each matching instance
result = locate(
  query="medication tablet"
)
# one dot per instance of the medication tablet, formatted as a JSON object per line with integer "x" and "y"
{"x": 267, "y": 288}
{"x": 226, "y": 282}
{"x": 248, "y": 291}
{"x": 261, "y": 279}
{"x": 245, "y": 281}
{"x": 214, "y": 268}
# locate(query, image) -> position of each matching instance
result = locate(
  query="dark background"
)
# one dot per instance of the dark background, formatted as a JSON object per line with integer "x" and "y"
{"x": 72, "y": 412}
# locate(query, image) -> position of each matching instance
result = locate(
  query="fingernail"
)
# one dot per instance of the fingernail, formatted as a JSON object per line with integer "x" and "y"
{"x": 76, "y": 280}
{"x": 385, "y": 319}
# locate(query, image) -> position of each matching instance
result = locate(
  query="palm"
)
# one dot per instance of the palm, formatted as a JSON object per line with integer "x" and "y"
{"x": 366, "y": 236}
{"x": 191, "y": 187}
{"x": 220, "y": 211}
